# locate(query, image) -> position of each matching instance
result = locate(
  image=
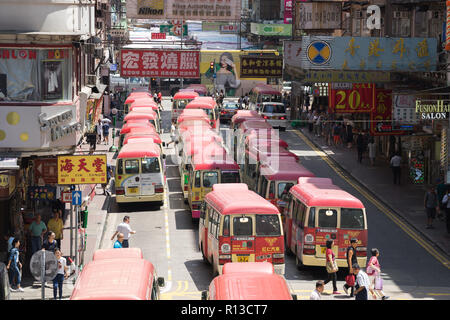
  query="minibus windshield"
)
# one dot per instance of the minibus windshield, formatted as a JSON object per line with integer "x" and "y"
{"x": 210, "y": 178}
{"x": 274, "y": 108}
{"x": 242, "y": 226}
{"x": 327, "y": 218}
{"x": 283, "y": 188}
{"x": 230, "y": 177}
{"x": 352, "y": 219}
{"x": 267, "y": 225}
{"x": 150, "y": 165}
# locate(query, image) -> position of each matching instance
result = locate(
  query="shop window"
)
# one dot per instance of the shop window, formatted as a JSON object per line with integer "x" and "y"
{"x": 36, "y": 74}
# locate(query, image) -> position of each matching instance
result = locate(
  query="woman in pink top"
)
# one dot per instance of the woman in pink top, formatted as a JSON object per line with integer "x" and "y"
{"x": 332, "y": 274}
{"x": 373, "y": 270}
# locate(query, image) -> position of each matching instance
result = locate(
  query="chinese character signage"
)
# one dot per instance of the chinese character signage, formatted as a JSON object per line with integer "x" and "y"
{"x": 447, "y": 38}
{"x": 358, "y": 99}
{"x": 381, "y": 115}
{"x": 174, "y": 30}
{"x": 160, "y": 63}
{"x": 204, "y": 10}
{"x": 158, "y": 36}
{"x": 88, "y": 169}
{"x": 316, "y": 15}
{"x": 261, "y": 66}
{"x": 288, "y": 11}
{"x": 229, "y": 28}
{"x": 145, "y": 9}
{"x": 284, "y": 30}
{"x": 369, "y": 54}
{"x": 42, "y": 193}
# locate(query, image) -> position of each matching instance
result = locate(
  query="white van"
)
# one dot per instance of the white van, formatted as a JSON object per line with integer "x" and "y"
{"x": 275, "y": 114}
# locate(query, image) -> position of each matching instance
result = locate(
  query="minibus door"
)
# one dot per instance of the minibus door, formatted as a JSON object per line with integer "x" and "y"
{"x": 209, "y": 178}
{"x": 150, "y": 176}
{"x": 327, "y": 229}
{"x": 243, "y": 240}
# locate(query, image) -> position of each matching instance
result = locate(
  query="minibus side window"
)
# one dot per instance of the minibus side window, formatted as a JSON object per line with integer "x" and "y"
{"x": 202, "y": 210}
{"x": 301, "y": 214}
{"x": 210, "y": 216}
{"x": 216, "y": 222}
{"x": 294, "y": 212}
{"x": 210, "y": 178}
{"x": 226, "y": 226}
{"x": 263, "y": 190}
{"x": 352, "y": 219}
{"x": 120, "y": 166}
{"x": 197, "y": 183}
{"x": 267, "y": 225}
{"x": 312, "y": 218}
{"x": 242, "y": 226}
{"x": 213, "y": 223}
{"x": 150, "y": 165}
{"x": 283, "y": 189}
{"x": 132, "y": 166}
{"x": 327, "y": 218}
{"x": 271, "y": 190}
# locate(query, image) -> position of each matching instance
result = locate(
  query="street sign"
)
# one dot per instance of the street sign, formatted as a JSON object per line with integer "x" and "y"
{"x": 86, "y": 169}
{"x": 67, "y": 197}
{"x": 76, "y": 198}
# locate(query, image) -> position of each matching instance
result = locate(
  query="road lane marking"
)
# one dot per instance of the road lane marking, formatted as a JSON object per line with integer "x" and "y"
{"x": 407, "y": 229}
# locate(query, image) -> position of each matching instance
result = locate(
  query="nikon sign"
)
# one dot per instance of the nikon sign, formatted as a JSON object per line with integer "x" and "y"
{"x": 145, "y": 9}
{"x": 433, "y": 110}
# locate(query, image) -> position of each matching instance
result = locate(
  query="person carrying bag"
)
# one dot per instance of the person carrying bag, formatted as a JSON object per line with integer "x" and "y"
{"x": 331, "y": 266}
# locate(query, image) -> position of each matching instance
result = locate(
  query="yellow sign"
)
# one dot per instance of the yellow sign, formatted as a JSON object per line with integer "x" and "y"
{"x": 88, "y": 169}
{"x": 4, "y": 180}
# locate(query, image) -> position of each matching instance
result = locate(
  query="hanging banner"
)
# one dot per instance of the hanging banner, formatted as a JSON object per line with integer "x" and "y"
{"x": 381, "y": 117}
{"x": 317, "y": 15}
{"x": 447, "y": 38}
{"x": 358, "y": 99}
{"x": 204, "y": 10}
{"x": 288, "y": 11}
{"x": 261, "y": 66}
{"x": 145, "y": 9}
{"x": 86, "y": 169}
{"x": 160, "y": 63}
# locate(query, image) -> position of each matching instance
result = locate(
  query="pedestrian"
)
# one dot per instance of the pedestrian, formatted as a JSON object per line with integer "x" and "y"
{"x": 109, "y": 174}
{"x": 351, "y": 260}
{"x": 310, "y": 118}
{"x": 372, "y": 150}
{"x": 119, "y": 241}
{"x": 56, "y": 225}
{"x": 9, "y": 238}
{"x": 317, "y": 293}
{"x": 362, "y": 283}
{"x": 173, "y": 133}
{"x": 240, "y": 101}
{"x": 441, "y": 190}
{"x": 15, "y": 265}
{"x": 124, "y": 229}
{"x": 337, "y": 134}
{"x": 446, "y": 200}
{"x": 155, "y": 97}
{"x": 360, "y": 146}
{"x": 319, "y": 125}
{"x": 106, "y": 123}
{"x": 99, "y": 129}
{"x": 50, "y": 244}
{"x": 431, "y": 206}
{"x": 160, "y": 99}
{"x": 331, "y": 266}
{"x": 246, "y": 100}
{"x": 62, "y": 274}
{"x": 37, "y": 230}
{"x": 349, "y": 129}
{"x": 373, "y": 270}
{"x": 395, "y": 163}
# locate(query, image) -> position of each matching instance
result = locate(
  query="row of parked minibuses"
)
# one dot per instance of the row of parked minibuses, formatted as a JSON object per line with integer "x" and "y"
{"x": 140, "y": 171}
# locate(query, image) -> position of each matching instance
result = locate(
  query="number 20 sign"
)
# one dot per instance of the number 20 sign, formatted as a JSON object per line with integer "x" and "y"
{"x": 360, "y": 98}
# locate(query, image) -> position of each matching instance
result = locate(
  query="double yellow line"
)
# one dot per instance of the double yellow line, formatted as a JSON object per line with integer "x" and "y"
{"x": 181, "y": 291}
{"x": 406, "y": 228}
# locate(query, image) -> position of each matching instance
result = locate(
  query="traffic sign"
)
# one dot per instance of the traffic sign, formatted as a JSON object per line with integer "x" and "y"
{"x": 76, "y": 198}
{"x": 67, "y": 197}
{"x": 46, "y": 261}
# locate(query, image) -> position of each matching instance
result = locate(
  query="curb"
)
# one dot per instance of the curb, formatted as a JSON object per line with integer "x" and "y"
{"x": 395, "y": 211}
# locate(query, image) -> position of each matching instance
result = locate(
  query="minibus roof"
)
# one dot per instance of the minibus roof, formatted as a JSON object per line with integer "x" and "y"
{"x": 213, "y": 157}
{"x": 244, "y": 115}
{"x": 193, "y": 114}
{"x": 142, "y": 130}
{"x": 285, "y": 170}
{"x": 264, "y": 153}
{"x": 144, "y": 139}
{"x": 135, "y": 115}
{"x": 110, "y": 280}
{"x": 185, "y": 95}
{"x": 137, "y": 95}
{"x": 140, "y": 109}
{"x": 199, "y": 143}
{"x": 236, "y": 200}
{"x": 236, "y": 267}
{"x": 255, "y": 124}
{"x": 132, "y": 136}
{"x": 315, "y": 180}
{"x": 255, "y": 140}
{"x": 118, "y": 253}
{"x": 139, "y": 150}
{"x": 145, "y": 102}
{"x": 325, "y": 195}
{"x": 266, "y": 90}
{"x": 194, "y": 125}
{"x": 251, "y": 286}
{"x": 133, "y": 124}
{"x": 200, "y": 104}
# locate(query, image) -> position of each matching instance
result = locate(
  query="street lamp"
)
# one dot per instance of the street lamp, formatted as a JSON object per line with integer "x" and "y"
{"x": 113, "y": 148}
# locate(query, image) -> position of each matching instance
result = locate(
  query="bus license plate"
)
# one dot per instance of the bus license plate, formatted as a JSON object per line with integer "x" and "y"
{"x": 242, "y": 258}
{"x": 132, "y": 189}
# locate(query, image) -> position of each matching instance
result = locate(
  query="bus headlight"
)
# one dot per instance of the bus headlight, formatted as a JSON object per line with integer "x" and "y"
{"x": 225, "y": 248}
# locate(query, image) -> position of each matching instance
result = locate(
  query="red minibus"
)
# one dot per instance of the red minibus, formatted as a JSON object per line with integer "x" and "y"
{"x": 193, "y": 114}
{"x": 180, "y": 100}
{"x": 106, "y": 279}
{"x": 126, "y": 128}
{"x": 117, "y": 253}
{"x": 138, "y": 115}
{"x": 320, "y": 210}
{"x": 208, "y": 105}
{"x": 243, "y": 115}
{"x": 199, "y": 88}
{"x": 263, "y": 93}
{"x": 238, "y": 225}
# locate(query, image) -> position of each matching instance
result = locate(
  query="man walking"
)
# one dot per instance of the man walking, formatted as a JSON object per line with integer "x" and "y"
{"x": 395, "y": 163}
{"x": 317, "y": 293}
{"x": 351, "y": 260}
{"x": 446, "y": 201}
{"x": 124, "y": 229}
{"x": 37, "y": 229}
{"x": 362, "y": 283}
{"x": 431, "y": 205}
{"x": 360, "y": 146}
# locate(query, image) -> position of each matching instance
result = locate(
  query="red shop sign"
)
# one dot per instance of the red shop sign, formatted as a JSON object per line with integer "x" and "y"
{"x": 45, "y": 171}
{"x": 158, "y": 35}
{"x": 358, "y": 99}
{"x": 160, "y": 63}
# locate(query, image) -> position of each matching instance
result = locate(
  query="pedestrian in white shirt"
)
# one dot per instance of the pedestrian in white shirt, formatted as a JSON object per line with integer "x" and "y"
{"x": 125, "y": 229}
{"x": 362, "y": 283}
{"x": 317, "y": 293}
{"x": 395, "y": 163}
{"x": 58, "y": 281}
{"x": 446, "y": 203}
{"x": 173, "y": 133}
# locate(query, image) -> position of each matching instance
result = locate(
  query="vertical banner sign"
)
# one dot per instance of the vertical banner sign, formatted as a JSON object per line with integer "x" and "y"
{"x": 381, "y": 116}
{"x": 288, "y": 11}
{"x": 358, "y": 99}
{"x": 447, "y": 38}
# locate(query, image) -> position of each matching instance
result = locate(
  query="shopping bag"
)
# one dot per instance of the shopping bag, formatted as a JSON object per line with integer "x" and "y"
{"x": 378, "y": 283}
{"x": 350, "y": 280}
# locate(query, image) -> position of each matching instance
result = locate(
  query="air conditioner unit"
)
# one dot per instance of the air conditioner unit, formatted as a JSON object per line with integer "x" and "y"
{"x": 91, "y": 79}
{"x": 404, "y": 14}
{"x": 396, "y": 14}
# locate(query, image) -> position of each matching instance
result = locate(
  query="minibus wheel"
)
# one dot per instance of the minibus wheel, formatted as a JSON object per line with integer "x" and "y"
{"x": 287, "y": 249}
{"x": 298, "y": 263}
{"x": 203, "y": 255}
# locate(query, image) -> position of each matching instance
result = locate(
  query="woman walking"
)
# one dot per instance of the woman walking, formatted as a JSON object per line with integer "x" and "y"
{"x": 372, "y": 150}
{"x": 373, "y": 270}
{"x": 15, "y": 265}
{"x": 331, "y": 266}
{"x": 61, "y": 275}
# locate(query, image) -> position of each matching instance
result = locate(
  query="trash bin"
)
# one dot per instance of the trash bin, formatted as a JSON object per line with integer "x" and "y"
{"x": 84, "y": 218}
{"x": 4, "y": 282}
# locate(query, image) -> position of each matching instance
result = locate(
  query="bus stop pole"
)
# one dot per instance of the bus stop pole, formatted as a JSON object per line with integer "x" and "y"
{"x": 76, "y": 241}
{"x": 43, "y": 275}
{"x": 71, "y": 230}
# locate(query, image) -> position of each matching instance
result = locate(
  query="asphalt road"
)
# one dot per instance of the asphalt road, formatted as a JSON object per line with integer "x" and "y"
{"x": 169, "y": 239}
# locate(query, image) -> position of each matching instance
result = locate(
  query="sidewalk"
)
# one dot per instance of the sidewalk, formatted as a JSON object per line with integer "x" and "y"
{"x": 97, "y": 209}
{"x": 405, "y": 200}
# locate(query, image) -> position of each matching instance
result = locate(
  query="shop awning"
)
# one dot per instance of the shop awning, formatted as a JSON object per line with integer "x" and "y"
{"x": 9, "y": 164}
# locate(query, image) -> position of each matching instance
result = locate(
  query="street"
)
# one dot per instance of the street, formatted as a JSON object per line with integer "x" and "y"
{"x": 169, "y": 238}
